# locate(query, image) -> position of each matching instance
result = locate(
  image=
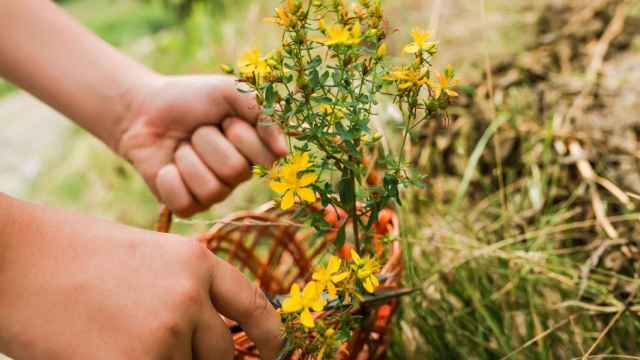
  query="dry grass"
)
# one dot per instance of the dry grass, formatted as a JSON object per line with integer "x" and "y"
{"x": 525, "y": 243}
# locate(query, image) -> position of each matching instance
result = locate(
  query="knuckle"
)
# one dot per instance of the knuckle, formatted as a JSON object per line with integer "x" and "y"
{"x": 211, "y": 193}
{"x": 200, "y": 134}
{"x": 189, "y": 294}
{"x": 235, "y": 130}
{"x": 196, "y": 252}
{"x": 236, "y": 171}
{"x": 169, "y": 328}
{"x": 184, "y": 209}
{"x": 259, "y": 305}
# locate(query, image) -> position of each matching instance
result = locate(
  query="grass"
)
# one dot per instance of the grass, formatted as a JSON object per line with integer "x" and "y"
{"x": 123, "y": 21}
{"x": 514, "y": 268}
{"x": 6, "y": 88}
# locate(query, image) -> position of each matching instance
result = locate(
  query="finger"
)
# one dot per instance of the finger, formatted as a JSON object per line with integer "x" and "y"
{"x": 238, "y": 299}
{"x": 220, "y": 155}
{"x": 173, "y": 192}
{"x": 245, "y": 138}
{"x": 243, "y": 104}
{"x": 200, "y": 181}
{"x": 272, "y": 135}
{"x": 212, "y": 339}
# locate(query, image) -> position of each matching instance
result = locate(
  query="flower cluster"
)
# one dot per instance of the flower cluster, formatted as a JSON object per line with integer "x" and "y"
{"x": 412, "y": 78}
{"x": 293, "y": 181}
{"x": 323, "y": 87}
{"x": 331, "y": 282}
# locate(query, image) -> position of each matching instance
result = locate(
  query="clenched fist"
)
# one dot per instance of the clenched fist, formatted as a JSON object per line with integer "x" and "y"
{"x": 195, "y": 138}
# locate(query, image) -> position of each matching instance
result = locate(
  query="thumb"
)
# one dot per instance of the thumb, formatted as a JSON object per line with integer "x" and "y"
{"x": 212, "y": 339}
{"x": 240, "y": 300}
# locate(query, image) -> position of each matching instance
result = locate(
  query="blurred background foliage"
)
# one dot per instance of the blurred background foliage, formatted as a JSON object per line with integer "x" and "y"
{"x": 525, "y": 243}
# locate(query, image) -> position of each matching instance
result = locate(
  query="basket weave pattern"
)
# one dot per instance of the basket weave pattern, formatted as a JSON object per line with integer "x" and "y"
{"x": 276, "y": 252}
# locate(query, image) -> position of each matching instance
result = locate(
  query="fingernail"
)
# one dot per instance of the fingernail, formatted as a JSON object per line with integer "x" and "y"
{"x": 282, "y": 143}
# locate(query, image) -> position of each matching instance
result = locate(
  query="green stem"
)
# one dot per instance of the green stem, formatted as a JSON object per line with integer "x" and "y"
{"x": 354, "y": 212}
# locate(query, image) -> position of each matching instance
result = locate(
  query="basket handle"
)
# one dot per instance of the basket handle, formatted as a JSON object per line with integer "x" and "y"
{"x": 164, "y": 220}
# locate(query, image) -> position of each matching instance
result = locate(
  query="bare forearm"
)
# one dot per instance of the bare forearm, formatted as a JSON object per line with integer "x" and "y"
{"x": 50, "y": 55}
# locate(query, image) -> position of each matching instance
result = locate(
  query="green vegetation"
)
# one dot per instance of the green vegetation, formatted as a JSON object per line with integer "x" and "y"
{"x": 121, "y": 22}
{"x": 518, "y": 251}
{"x": 6, "y": 88}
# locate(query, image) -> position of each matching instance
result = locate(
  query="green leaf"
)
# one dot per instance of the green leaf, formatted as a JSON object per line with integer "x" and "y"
{"x": 269, "y": 95}
{"x": 346, "y": 190}
{"x": 341, "y": 236}
{"x": 322, "y": 99}
{"x": 390, "y": 184}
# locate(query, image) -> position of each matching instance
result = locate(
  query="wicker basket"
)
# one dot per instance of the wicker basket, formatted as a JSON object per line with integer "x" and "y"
{"x": 275, "y": 251}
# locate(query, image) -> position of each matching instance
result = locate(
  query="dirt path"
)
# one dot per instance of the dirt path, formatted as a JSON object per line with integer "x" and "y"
{"x": 31, "y": 133}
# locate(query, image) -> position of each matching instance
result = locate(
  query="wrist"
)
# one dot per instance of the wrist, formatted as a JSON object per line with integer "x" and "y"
{"x": 132, "y": 93}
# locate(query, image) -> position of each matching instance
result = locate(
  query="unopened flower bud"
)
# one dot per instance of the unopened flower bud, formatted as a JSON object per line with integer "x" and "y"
{"x": 382, "y": 51}
{"x": 226, "y": 69}
{"x": 259, "y": 171}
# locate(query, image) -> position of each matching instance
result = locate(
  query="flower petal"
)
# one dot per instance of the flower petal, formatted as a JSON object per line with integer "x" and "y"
{"x": 334, "y": 265}
{"x": 306, "y": 194}
{"x": 291, "y": 305}
{"x": 294, "y": 302}
{"x": 307, "y": 179}
{"x": 287, "y": 200}
{"x": 319, "y": 304}
{"x": 374, "y": 280}
{"x": 311, "y": 292}
{"x": 307, "y": 319}
{"x": 355, "y": 256}
{"x": 295, "y": 291}
{"x": 300, "y": 161}
{"x": 332, "y": 291}
{"x": 368, "y": 285}
{"x": 340, "y": 277}
{"x": 278, "y": 186}
{"x": 411, "y": 48}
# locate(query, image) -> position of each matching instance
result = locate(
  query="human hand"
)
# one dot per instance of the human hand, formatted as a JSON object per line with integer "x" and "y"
{"x": 194, "y": 138}
{"x": 73, "y": 287}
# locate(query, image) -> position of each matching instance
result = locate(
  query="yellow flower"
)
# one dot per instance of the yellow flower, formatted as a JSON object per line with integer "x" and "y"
{"x": 341, "y": 35}
{"x": 332, "y": 113}
{"x": 382, "y": 50}
{"x": 327, "y": 277}
{"x": 284, "y": 17}
{"x": 309, "y": 299}
{"x": 329, "y": 341}
{"x": 252, "y": 63}
{"x": 366, "y": 270}
{"x": 300, "y": 161}
{"x": 409, "y": 78}
{"x": 419, "y": 43}
{"x": 349, "y": 289}
{"x": 287, "y": 181}
{"x": 322, "y": 25}
{"x": 445, "y": 82}
{"x": 258, "y": 170}
{"x": 226, "y": 69}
